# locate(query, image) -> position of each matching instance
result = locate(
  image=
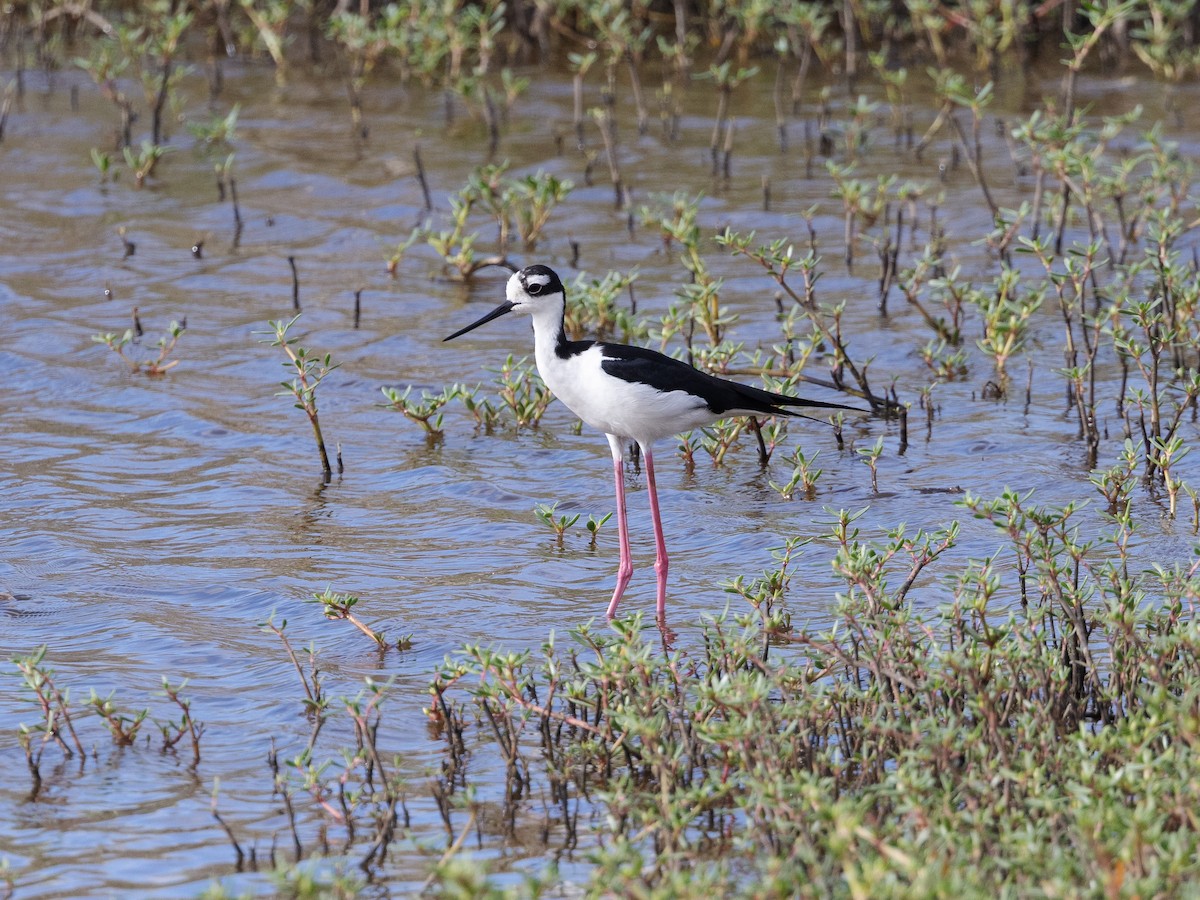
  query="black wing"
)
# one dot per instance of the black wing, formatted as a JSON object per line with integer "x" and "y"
{"x": 666, "y": 373}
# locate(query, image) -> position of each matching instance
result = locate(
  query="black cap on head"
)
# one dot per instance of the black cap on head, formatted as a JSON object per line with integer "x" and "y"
{"x": 538, "y": 280}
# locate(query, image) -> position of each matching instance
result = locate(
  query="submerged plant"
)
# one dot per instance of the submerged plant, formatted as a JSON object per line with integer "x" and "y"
{"x": 521, "y": 390}
{"x": 158, "y": 365}
{"x": 735, "y": 757}
{"x": 54, "y": 705}
{"x": 143, "y": 162}
{"x": 804, "y": 476}
{"x": 310, "y": 370}
{"x": 559, "y": 524}
{"x": 341, "y": 606}
{"x": 123, "y": 728}
{"x": 187, "y": 726}
{"x": 426, "y": 412}
{"x": 218, "y": 129}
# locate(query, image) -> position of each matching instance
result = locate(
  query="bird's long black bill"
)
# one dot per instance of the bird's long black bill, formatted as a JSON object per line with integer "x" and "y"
{"x": 494, "y": 314}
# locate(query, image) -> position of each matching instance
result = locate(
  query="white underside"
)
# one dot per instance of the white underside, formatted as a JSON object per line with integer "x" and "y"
{"x": 626, "y": 409}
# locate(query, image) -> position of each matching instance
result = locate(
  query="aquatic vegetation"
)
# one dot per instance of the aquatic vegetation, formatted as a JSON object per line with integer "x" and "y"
{"x": 218, "y": 129}
{"x": 777, "y": 258}
{"x": 336, "y": 605}
{"x": 158, "y": 365}
{"x": 310, "y": 370}
{"x": 521, "y": 203}
{"x": 1020, "y": 719}
{"x": 522, "y": 392}
{"x": 804, "y": 476}
{"x": 61, "y": 722}
{"x": 782, "y": 755}
{"x": 559, "y": 524}
{"x": 426, "y": 412}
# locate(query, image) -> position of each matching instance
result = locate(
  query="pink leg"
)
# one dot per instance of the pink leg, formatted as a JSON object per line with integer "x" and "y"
{"x": 660, "y": 545}
{"x": 626, "y": 567}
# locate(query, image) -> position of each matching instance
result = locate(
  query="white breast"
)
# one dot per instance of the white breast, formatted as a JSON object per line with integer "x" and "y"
{"x": 628, "y": 409}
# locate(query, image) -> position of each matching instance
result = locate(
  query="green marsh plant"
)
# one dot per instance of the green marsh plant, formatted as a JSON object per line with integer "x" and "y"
{"x": 804, "y": 476}
{"x": 522, "y": 392}
{"x": 59, "y": 719}
{"x": 767, "y": 593}
{"x": 336, "y": 605}
{"x": 357, "y": 797}
{"x": 521, "y": 203}
{"x": 218, "y": 130}
{"x": 921, "y": 282}
{"x": 143, "y": 162}
{"x": 269, "y": 23}
{"x": 558, "y": 524}
{"x": 726, "y": 77}
{"x": 777, "y": 259}
{"x": 580, "y": 64}
{"x": 315, "y": 699}
{"x": 593, "y": 526}
{"x": 870, "y": 457}
{"x": 151, "y": 41}
{"x": 677, "y": 220}
{"x": 1165, "y": 454}
{"x": 102, "y": 160}
{"x": 54, "y": 706}
{"x": 945, "y": 363}
{"x": 1143, "y": 336}
{"x": 593, "y": 309}
{"x": 958, "y": 94}
{"x": 1006, "y": 311}
{"x": 106, "y": 66}
{"x": 174, "y": 732}
{"x": 155, "y": 366}
{"x": 763, "y": 760}
{"x": 863, "y": 203}
{"x": 1159, "y": 41}
{"x": 623, "y": 36}
{"x": 531, "y": 199}
{"x": 426, "y": 412}
{"x": 1118, "y": 482}
{"x": 309, "y": 371}
{"x": 124, "y": 728}
{"x": 1073, "y": 278}
{"x": 485, "y": 413}
{"x": 362, "y": 40}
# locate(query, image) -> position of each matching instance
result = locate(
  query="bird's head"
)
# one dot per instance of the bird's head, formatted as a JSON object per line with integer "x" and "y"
{"x": 533, "y": 288}
{"x": 530, "y": 290}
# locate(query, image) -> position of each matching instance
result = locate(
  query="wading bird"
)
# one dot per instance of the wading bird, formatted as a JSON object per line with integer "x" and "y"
{"x": 629, "y": 393}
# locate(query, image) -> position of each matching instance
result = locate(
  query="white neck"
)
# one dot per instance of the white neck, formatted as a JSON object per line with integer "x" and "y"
{"x": 547, "y": 327}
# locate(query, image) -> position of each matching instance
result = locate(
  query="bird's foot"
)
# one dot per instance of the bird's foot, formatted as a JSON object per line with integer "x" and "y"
{"x": 667, "y": 633}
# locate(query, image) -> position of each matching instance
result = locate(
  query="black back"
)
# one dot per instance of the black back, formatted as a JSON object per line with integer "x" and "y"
{"x": 666, "y": 373}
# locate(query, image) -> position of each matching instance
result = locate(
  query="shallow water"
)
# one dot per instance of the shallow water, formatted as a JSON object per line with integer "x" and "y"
{"x": 148, "y": 526}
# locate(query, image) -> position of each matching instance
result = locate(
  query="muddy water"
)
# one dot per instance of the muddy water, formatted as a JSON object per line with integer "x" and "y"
{"x": 148, "y": 526}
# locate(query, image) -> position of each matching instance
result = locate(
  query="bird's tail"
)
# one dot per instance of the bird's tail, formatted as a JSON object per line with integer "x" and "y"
{"x": 762, "y": 402}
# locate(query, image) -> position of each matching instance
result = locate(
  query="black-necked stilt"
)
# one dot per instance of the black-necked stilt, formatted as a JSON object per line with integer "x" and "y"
{"x": 629, "y": 393}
